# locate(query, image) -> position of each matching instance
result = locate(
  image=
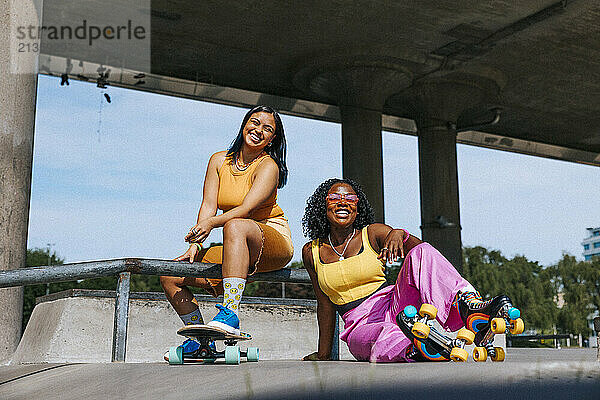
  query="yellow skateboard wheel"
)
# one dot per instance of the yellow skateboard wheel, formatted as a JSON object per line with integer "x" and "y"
{"x": 498, "y": 325}
{"x": 420, "y": 330}
{"x": 518, "y": 326}
{"x": 479, "y": 354}
{"x": 466, "y": 335}
{"x": 459, "y": 355}
{"x": 428, "y": 310}
{"x": 500, "y": 354}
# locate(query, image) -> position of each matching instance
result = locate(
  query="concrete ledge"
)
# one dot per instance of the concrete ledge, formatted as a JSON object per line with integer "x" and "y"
{"x": 76, "y": 326}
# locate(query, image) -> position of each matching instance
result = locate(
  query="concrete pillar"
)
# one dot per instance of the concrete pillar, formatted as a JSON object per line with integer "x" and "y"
{"x": 436, "y": 103}
{"x": 18, "y": 85}
{"x": 362, "y": 156}
{"x": 360, "y": 87}
{"x": 438, "y": 180}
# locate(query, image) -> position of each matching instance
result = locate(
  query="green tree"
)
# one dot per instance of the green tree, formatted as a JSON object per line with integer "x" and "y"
{"x": 579, "y": 284}
{"x": 525, "y": 282}
{"x": 274, "y": 289}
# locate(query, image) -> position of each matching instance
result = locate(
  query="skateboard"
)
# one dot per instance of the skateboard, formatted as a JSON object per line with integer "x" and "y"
{"x": 205, "y": 334}
{"x": 431, "y": 344}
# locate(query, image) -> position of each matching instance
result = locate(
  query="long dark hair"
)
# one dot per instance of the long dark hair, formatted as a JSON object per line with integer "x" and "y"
{"x": 277, "y": 148}
{"x": 315, "y": 224}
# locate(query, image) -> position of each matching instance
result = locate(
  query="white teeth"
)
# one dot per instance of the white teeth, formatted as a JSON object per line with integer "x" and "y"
{"x": 342, "y": 212}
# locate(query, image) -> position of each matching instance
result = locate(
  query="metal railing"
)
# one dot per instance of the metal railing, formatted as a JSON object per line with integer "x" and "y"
{"x": 123, "y": 268}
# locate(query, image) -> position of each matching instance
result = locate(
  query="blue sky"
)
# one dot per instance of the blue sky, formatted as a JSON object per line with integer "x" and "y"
{"x": 125, "y": 179}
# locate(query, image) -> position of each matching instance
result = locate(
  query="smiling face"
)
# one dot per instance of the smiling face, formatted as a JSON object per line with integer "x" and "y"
{"x": 342, "y": 205}
{"x": 259, "y": 130}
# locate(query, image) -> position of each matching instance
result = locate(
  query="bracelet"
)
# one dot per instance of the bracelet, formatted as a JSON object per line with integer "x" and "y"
{"x": 405, "y": 237}
{"x": 199, "y": 245}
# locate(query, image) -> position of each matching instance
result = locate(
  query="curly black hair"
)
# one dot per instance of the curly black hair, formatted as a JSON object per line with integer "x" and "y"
{"x": 315, "y": 224}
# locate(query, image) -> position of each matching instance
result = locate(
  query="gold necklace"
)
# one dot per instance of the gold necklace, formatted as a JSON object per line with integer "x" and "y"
{"x": 243, "y": 166}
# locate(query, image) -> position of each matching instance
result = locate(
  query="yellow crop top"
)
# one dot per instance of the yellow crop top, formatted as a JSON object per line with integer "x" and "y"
{"x": 350, "y": 279}
{"x": 234, "y": 185}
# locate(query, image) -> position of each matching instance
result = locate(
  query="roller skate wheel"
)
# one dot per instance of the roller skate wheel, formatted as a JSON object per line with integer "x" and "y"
{"x": 466, "y": 335}
{"x": 420, "y": 330}
{"x": 410, "y": 311}
{"x": 252, "y": 354}
{"x": 176, "y": 355}
{"x": 517, "y": 326}
{"x": 514, "y": 313}
{"x": 479, "y": 354}
{"x": 232, "y": 355}
{"x": 499, "y": 356}
{"x": 459, "y": 355}
{"x": 498, "y": 325}
{"x": 427, "y": 310}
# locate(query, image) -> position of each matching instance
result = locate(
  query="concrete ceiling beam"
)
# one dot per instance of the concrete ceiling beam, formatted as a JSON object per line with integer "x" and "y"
{"x": 359, "y": 85}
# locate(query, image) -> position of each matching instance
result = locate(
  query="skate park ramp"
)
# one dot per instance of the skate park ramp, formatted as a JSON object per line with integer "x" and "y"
{"x": 77, "y": 326}
{"x": 526, "y": 374}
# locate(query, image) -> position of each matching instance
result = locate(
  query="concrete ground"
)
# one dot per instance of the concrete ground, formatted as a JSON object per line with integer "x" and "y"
{"x": 527, "y": 373}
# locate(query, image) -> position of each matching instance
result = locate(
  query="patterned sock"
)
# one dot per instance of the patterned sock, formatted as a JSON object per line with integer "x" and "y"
{"x": 234, "y": 287}
{"x": 472, "y": 299}
{"x": 463, "y": 293}
{"x": 193, "y": 318}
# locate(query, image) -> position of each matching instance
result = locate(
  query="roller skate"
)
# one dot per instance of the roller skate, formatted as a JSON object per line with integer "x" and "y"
{"x": 429, "y": 344}
{"x": 487, "y": 318}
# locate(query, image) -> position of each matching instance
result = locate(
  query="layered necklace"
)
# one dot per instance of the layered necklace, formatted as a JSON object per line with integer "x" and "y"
{"x": 240, "y": 164}
{"x": 347, "y": 241}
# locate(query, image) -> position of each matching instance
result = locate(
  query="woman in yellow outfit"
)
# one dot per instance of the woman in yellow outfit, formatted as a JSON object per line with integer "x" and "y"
{"x": 243, "y": 183}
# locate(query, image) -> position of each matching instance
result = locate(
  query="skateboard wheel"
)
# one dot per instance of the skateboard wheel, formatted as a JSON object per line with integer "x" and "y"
{"x": 479, "y": 354}
{"x": 176, "y": 355}
{"x": 410, "y": 311}
{"x": 514, "y": 313}
{"x": 517, "y": 326}
{"x": 459, "y": 355}
{"x": 466, "y": 335}
{"x": 500, "y": 354}
{"x": 498, "y": 325}
{"x": 232, "y": 355}
{"x": 427, "y": 310}
{"x": 252, "y": 354}
{"x": 420, "y": 330}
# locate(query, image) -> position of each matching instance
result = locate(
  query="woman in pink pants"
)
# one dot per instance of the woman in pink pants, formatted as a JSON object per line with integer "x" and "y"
{"x": 346, "y": 262}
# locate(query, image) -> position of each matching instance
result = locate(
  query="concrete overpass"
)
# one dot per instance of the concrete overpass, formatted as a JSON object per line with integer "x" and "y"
{"x": 515, "y": 76}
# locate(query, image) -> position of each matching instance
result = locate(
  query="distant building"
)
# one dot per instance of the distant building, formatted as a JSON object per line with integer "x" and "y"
{"x": 591, "y": 244}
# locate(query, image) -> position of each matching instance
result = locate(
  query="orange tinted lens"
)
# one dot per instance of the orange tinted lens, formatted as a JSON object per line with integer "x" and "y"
{"x": 334, "y": 197}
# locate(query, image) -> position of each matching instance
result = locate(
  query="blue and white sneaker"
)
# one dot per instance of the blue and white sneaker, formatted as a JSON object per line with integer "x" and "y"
{"x": 226, "y": 320}
{"x": 190, "y": 347}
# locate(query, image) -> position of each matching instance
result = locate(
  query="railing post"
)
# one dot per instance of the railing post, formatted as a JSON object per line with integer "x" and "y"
{"x": 121, "y": 318}
{"x": 597, "y": 329}
{"x": 335, "y": 346}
